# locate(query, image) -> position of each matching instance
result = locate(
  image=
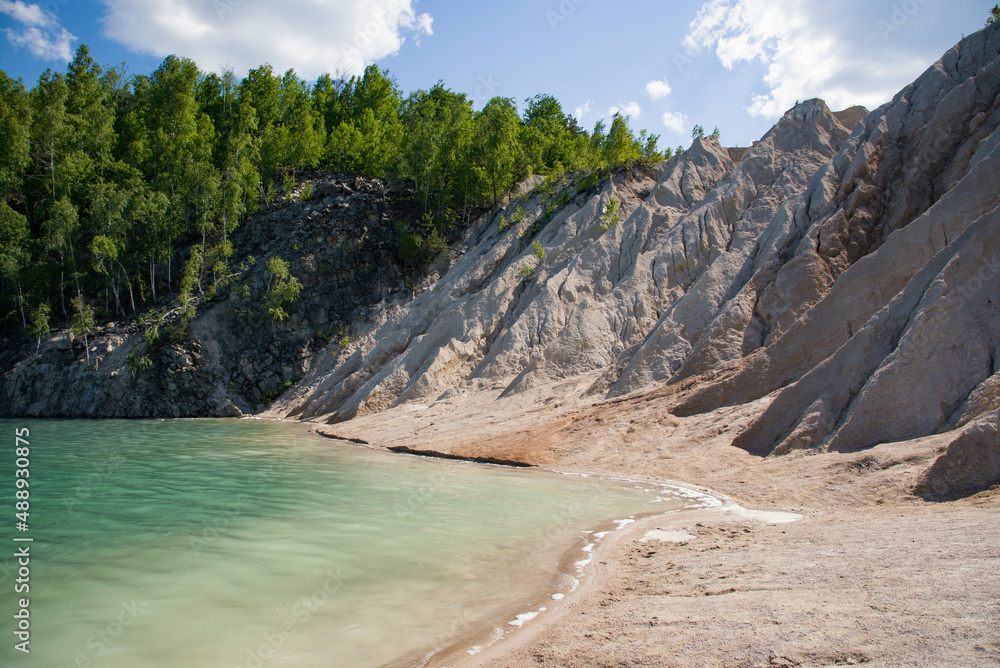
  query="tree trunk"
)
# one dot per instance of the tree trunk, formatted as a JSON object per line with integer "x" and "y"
{"x": 20, "y": 303}
{"x": 128, "y": 282}
{"x": 62, "y": 288}
{"x": 152, "y": 276}
{"x": 27, "y": 209}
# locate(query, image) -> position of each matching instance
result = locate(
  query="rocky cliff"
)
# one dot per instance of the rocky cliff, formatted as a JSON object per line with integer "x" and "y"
{"x": 847, "y": 265}
{"x": 845, "y": 268}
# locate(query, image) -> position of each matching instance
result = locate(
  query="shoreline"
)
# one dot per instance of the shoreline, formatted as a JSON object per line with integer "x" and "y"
{"x": 492, "y": 641}
{"x": 540, "y": 610}
{"x": 543, "y": 609}
{"x": 871, "y": 573}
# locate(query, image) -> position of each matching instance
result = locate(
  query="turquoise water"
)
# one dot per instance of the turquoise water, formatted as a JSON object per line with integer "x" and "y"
{"x": 244, "y": 543}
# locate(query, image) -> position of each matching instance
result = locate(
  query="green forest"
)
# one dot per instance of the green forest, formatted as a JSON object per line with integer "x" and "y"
{"x": 106, "y": 178}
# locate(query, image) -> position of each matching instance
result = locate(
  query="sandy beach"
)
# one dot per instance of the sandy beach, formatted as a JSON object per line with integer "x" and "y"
{"x": 870, "y": 574}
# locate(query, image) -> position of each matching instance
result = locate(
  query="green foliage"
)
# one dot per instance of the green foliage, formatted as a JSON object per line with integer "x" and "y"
{"x": 271, "y": 393}
{"x": 535, "y": 228}
{"x": 366, "y": 130}
{"x": 611, "y": 215}
{"x": 342, "y": 334}
{"x": 108, "y": 179}
{"x": 288, "y": 185}
{"x": 497, "y": 148}
{"x": 420, "y": 243}
{"x": 83, "y": 321}
{"x": 15, "y": 125}
{"x": 994, "y": 15}
{"x": 549, "y": 137}
{"x": 548, "y": 187}
{"x": 190, "y": 279}
{"x": 282, "y": 289}
{"x": 650, "y": 154}
{"x": 151, "y": 324}
{"x": 219, "y": 287}
{"x": 151, "y": 335}
{"x": 176, "y": 330}
{"x": 435, "y": 147}
{"x": 589, "y": 182}
{"x": 136, "y": 362}
{"x": 539, "y": 249}
{"x": 697, "y": 131}
{"x": 343, "y": 337}
{"x": 38, "y": 326}
{"x": 306, "y": 192}
{"x": 517, "y": 218}
{"x": 14, "y": 235}
{"x": 621, "y": 148}
{"x": 83, "y": 317}
{"x": 526, "y": 271}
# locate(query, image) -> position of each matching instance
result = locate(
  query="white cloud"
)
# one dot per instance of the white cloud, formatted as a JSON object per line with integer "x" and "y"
{"x": 631, "y": 109}
{"x": 47, "y": 45}
{"x": 425, "y": 25}
{"x": 311, "y": 37}
{"x": 582, "y": 111}
{"x": 676, "y": 121}
{"x": 32, "y": 15}
{"x": 42, "y": 34}
{"x": 808, "y": 51}
{"x": 658, "y": 89}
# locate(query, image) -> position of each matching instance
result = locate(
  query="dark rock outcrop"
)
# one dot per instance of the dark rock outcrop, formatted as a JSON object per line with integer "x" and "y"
{"x": 341, "y": 245}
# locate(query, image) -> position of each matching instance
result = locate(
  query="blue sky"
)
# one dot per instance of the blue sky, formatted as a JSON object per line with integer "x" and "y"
{"x": 735, "y": 64}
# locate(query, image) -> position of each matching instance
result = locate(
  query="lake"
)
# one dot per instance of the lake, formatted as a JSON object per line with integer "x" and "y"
{"x": 208, "y": 543}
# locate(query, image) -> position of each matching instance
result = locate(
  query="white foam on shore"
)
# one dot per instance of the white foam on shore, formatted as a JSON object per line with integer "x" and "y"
{"x": 525, "y": 617}
{"x": 667, "y": 536}
{"x": 589, "y": 547}
{"x": 766, "y": 516}
{"x": 558, "y": 597}
{"x": 623, "y": 523}
{"x": 703, "y": 500}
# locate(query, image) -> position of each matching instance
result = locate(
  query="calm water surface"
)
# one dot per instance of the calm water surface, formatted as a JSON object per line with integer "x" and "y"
{"x": 220, "y": 543}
